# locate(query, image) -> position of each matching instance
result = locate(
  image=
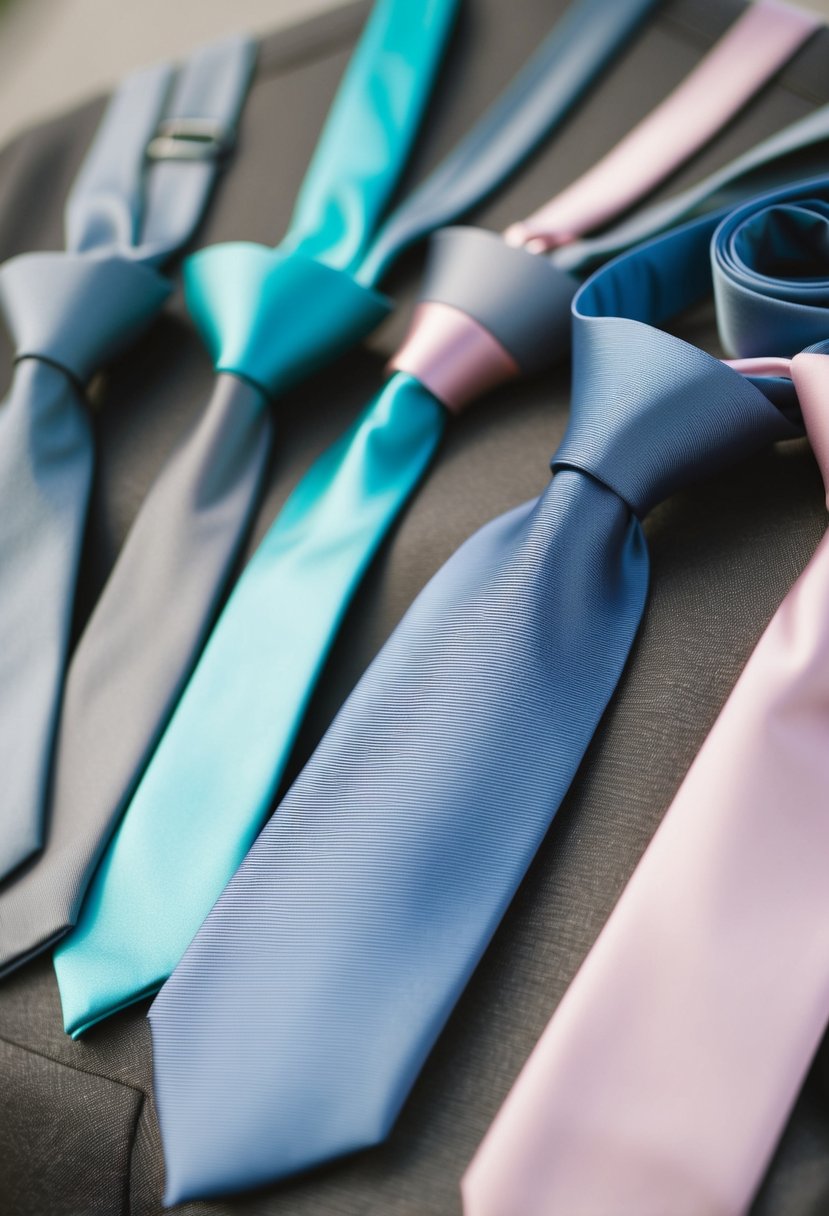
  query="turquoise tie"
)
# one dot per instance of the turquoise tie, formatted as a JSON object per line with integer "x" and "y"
{"x": 220, "y": 761}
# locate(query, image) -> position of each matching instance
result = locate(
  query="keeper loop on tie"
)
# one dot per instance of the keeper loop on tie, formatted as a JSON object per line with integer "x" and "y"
{"x": 489, "y": 311}
{"x": 197, "y": 139}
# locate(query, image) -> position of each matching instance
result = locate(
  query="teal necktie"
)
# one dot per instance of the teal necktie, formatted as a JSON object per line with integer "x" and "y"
{"x": 220, "y": 761}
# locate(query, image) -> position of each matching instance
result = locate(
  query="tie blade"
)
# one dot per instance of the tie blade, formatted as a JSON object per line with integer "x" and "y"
{"x": 45, "y": 472}
{"x": 332, "y": 960}
{"x": 238, "y": 1125}
{"x": 34, "y": 915}
{"x": 214, "y": 775}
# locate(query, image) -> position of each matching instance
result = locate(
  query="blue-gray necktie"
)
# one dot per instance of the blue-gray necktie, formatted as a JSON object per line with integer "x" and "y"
{"x": 297, "y": 1021}
{"x": 138, "y": 197}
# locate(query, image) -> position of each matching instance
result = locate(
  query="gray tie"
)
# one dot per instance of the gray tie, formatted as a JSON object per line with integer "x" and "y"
{"x": 138, "y": 197}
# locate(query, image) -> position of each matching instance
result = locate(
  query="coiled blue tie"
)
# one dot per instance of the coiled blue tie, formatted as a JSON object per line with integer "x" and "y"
{"x": 297, "y": 1021}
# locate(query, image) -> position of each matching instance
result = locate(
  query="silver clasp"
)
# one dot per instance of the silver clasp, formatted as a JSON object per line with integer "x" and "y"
{"x": 190, "y": 139}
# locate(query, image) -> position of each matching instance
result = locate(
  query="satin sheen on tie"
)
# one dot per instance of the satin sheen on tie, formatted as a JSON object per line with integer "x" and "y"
{"x": 229, "y": 741}
{"x": 223, "y": 754}
{"x": 269, "y": 317}
{"x": 664, "y": 1080}
{"x": 297, "y": 1021}
{"x": 231, "y": 289}
{"x": 69, "y": 313}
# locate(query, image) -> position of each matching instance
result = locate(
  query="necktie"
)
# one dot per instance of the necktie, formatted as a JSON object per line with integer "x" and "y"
{"x": 297, "y": 1020}
{"x": 223, "y": 754}
{"x": 664, "y": 1080}
{"x": 268, "y": 317}
{"x": 69, "y": 313}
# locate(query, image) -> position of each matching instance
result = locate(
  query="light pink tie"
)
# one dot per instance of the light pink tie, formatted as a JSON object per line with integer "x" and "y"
{"x": 757, "y": 45}
{"x": 664, "y": 1080}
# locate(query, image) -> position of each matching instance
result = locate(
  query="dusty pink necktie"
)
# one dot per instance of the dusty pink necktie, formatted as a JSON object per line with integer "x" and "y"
{"x": 767, "y": 32}
{"x": 665, "y": 1078}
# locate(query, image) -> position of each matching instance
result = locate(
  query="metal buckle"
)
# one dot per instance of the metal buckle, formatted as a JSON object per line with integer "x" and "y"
{"x": 190, "y": 139}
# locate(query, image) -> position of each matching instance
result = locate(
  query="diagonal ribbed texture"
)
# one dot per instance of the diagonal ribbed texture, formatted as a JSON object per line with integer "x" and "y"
{"x": 382, "y": 876}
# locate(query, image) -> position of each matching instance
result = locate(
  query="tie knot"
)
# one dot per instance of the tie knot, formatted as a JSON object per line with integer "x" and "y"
{"x": 650, "y": 413}
{"x": 78, "y": 309}
{"x": 274, "y": 317}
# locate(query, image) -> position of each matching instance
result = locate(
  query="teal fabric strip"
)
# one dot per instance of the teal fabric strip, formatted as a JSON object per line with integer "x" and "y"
{"x": 369, "y": 132}
{"x": 271, "y": 316}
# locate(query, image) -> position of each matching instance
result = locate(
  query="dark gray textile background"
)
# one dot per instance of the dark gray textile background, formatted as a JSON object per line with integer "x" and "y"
{"x": 78, "y": 1134}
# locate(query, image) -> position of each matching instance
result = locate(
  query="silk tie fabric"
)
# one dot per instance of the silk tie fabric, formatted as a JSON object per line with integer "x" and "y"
{"x": 224, "y": 752}
{"x": 299, "y": 1017}
{"x": 665, "y": 1078}
{"x": 69, "y": 313}
{"x": 268, "y": 317}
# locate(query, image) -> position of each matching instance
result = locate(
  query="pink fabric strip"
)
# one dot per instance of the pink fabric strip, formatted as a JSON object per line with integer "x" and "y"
{"x": 453, "y": 356}
{"x": 772, "y": 366}
{"x": 664, "y": 1080}
{"x": 759, "y": 43}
